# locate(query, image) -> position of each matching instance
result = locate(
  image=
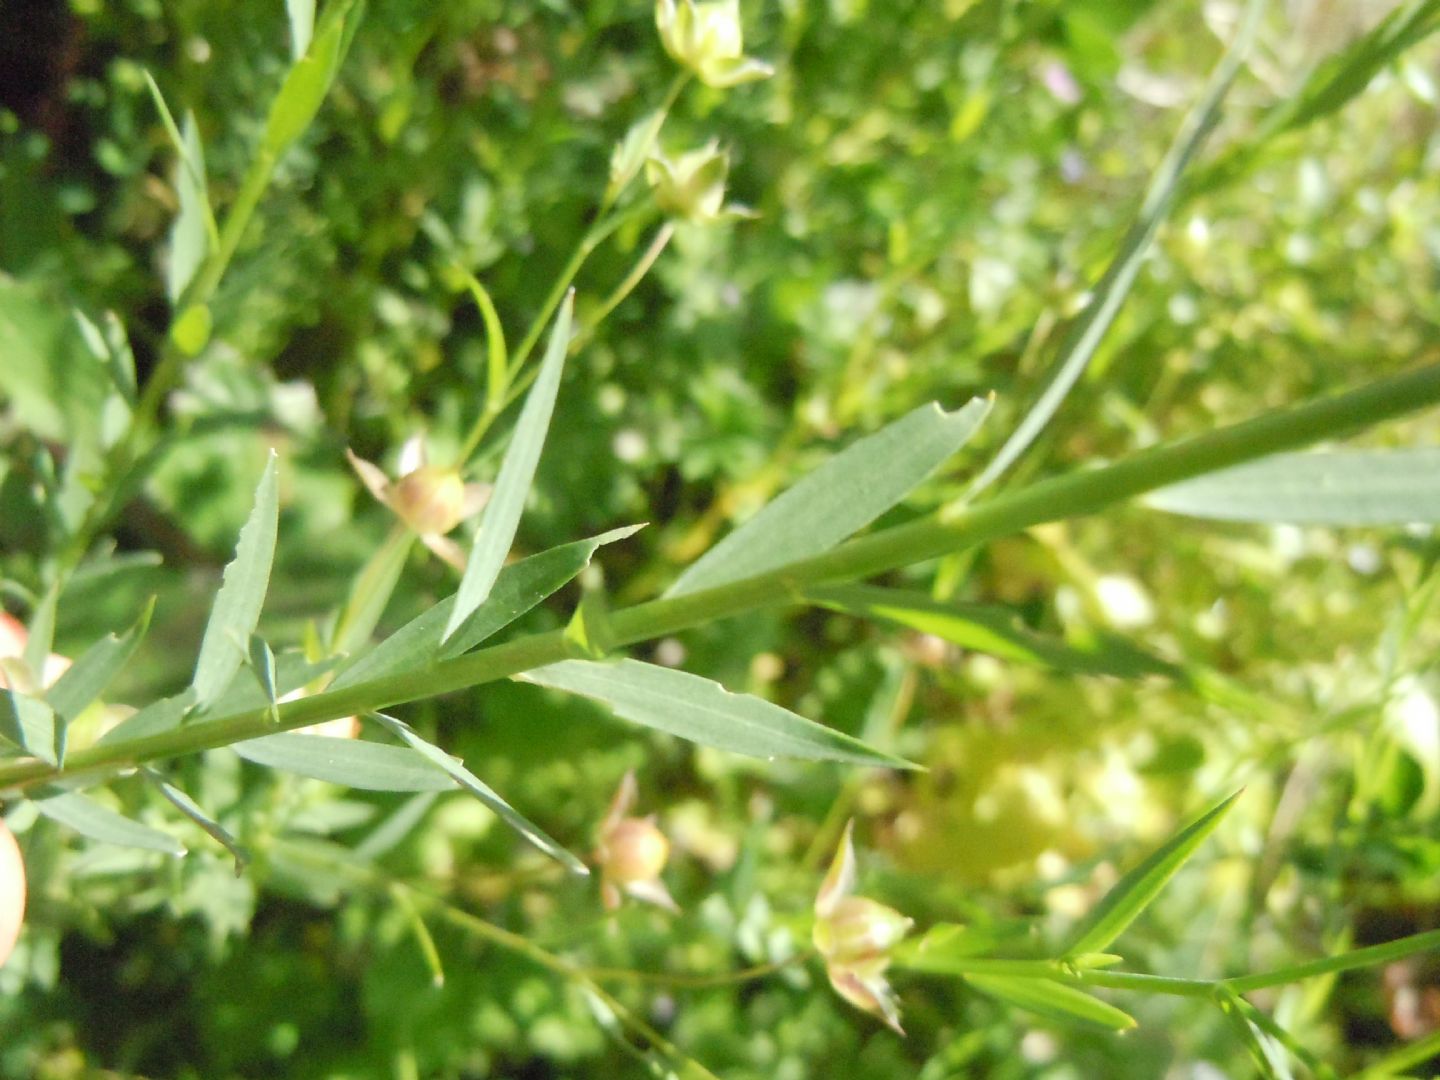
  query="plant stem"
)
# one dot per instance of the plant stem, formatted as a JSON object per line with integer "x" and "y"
{"x": 1082, "y": 492}
{"x": 1346, "y": 961}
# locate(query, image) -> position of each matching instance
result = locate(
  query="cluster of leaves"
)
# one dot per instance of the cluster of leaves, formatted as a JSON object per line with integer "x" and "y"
{"x": 944, "y": 193}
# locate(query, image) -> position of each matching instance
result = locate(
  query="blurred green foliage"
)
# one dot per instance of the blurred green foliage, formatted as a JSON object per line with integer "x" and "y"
{"x": 937, "y": 182}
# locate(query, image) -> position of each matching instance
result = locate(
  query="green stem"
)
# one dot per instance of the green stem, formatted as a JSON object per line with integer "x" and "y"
{"x": 1404, "y": 1059}
{"x": 1148, "y": 984}
{"x": 1356, "y": 958}
{"x": 1078, "y": 493}
{"x": 685, "y": 981}
{"x": 626, "y": 286}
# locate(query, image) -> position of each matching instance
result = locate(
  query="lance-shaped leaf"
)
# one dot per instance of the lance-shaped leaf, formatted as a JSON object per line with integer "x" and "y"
{"x": 705, "y": 712}
{"x": 512, "y": 485}
{"x": 1351, "y": 487}
{"x": 455, "y": 769}
{"x": 191, "y": 236}
{"x": 944, "y": 948}
{"x": 242, "y": 592}
{"x": 1089, "y": 329}
{"x": 1133, "y": 893}
{"x": 353, "y": 762}
{"x": 839, "y": 498}
{"x": 164, "y": 715}
{"x": 191, "y": 809}
{"x": 90, "y": 818}
{"x": 309, "y": 79}
{"x": 519, "y": 588}
{"x": 987, "y": 628}
{"x": 1056, "y": 1000}
{"x": 31, "y": 724}
{"x": 86, "y": 679}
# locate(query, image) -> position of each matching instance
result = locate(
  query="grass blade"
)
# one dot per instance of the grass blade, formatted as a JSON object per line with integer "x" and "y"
{"x": 1055, "y": 1000}
{"x": 1084, "y": 337}
{"x": 88, "y": 818}
{"x": 456, "y": 770}
{"x": 1353, "y": 487}
{"x": 242, "y": 593}
{"x": 354, "y": 763}
{"x": 839, "y": 498}
{"x": 705, "y": 712}
{"x": 517, "y": 472}
{"x": 1134, "y": 892}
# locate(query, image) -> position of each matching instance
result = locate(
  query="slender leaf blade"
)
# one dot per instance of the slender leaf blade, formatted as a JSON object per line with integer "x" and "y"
{"x": 455, "y": 769}
{"x": 1351, "y": 487}
{"x": 190, "y": 235}
{"x": 986, "y": 628}
{"x": 839, "y": 498}
{"x": 354, "y": 763}
{"x": 86, "y": 679}
{"x": 236, "y": 611}
{"x": 89, "y": 818}
{"x": 1134, "y": 892}
{"x": 1084, "y": 337}
{"x": 517, "y": 472}
{"x": 192, "y": 810}
{"x": 31, "y": 724}
{"x": 703, "y": 711}
{"x": 518, "y": 588}
{"x": 1056, "y": 1000}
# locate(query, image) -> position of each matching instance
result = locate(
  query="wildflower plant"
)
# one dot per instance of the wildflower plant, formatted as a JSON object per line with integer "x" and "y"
{"x": 225, "y": 767}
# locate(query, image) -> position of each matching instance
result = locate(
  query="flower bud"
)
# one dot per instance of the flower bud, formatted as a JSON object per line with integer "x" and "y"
{"x": 691, "y": 187}
{"x": 12, "y": 892}
{"x": 706, "y": 37}
{"x": 859, "y": 930}
{"x": 635, "y": 850}
{"x": 431, "y": 500}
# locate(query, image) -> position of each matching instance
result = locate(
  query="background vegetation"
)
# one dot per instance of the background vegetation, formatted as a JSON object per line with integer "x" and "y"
{"x": 937, "y": 184}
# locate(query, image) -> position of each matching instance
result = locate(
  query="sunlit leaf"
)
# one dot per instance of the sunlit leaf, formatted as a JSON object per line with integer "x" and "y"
{"x": 705, "y": 712}
{"x": 309, "y": 79}
{"x": 1056, "y": 1000}
{"x": 512, "y": 486}
{"x": 519, "y": 587}
{"x": 1133, "y": 893}
{"x": 190, "y": 236}
{"x": 31, "y": 724}
{"x": 352, "y": 762}
{"x": 86, "y": 679}
{"x": 236, "y": 610}
{"x": 839, "y": 498}
{"x": 89, "y": 818}
{"x": 1349, "y": 487}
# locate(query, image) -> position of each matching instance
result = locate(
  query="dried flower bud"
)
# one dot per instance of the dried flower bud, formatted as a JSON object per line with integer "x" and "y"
{"x": 691, "y": 187}
{"x": 429, "y": 500}
{"x": 706, "y": 37}
{"x": 855, "y": 937}
{"x": 632, "y": 853}
{"x": 12, "y": 892}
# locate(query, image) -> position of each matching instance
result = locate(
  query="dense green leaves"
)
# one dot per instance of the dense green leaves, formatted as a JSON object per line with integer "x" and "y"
{"x": 839, "y": 498}
{"x": 236, "y": 610}
{"x": 1347, "y": 487}
{"x": 1134, "y": 892}
{"x": 705, "y": 712}
{"x": 502, "y": 513}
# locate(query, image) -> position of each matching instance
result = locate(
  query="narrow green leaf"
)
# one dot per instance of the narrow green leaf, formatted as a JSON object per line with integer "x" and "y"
{"x": 371, "y": 592}
{"x": 629, "y": 155}
{"x": 88, "y": 818}
{"x": 242, "y": 593}
{"x": 985, "y": 628}
{"x": 705, "y": 712}
{"x": 498, "y": 356}
{"x": 589, "y": 632}
{"x": 1056, "y": 1000}
{"x": 1134, "y": 892}
{"x": 1351, "y": 487}
{"x": 1370, "y": 956}
{"x": 502, "y": 513}
{"x": 31, "y": 724}
{"x": 353, "y": 762}
{"x": 455, "y": 769}
{"x": 86, "y": 679}
{"x": 1089, "y": 329}
{"x": 396, "y": 827}
{"x": 307, "y": 83}
{"x": 192, "y": 810}
{"x": 40, "y": 632}
{"x": 428, "y": 952}
{"x": 302, "y": 25}
{"x": 191, "y": 236}
{"x": 839, "y": 498}
{"x": 519, "y": 588}
{"x": 167, "y": 714}
{"x": 262, "y": 664}
{"x": 943, "y": 948}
